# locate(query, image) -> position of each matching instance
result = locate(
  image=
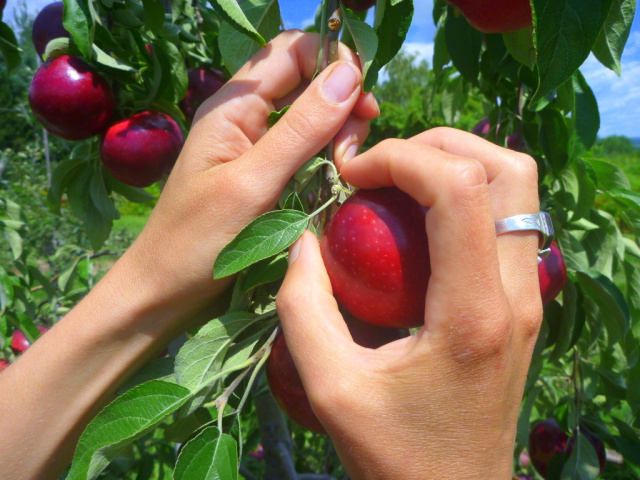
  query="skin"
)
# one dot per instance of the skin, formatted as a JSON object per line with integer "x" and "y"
{"x": 483, "y": 304}
{"x": 231, "y": 170}
{"x": 444, "y": 402}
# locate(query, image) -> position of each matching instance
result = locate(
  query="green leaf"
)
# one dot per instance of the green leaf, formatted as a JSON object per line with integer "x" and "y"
{"x": 564, "y": 33}
{"x": 210, "y": 455}
{"x": 133, "y": 194}
{"x": 626, "y": 197}
{"x": 614, "y": 34}
{"x": 464, "y": 44}
{"x": 125, "y": 419}
{"x": 6, "y": 291}
{"x": 524, "y": 425}
{"x": 568, "y": 319}
{"x": 153, "y": 15}
{"x": 554, "y": 137}
{"x": 633, "y": 389}
{"x": 15, "y": 242}
{"x": 174, "y": 71}
{"x": 586, "y": 115}
{"x": 609, "y": 176}
{"x": 583, "y": 464}
{"x": 160, "y": 369}
{"x": 235, "y": 47}
{"x": 293, "y": 202}
{"x": 56, "y": 48}
{"x": 78, "y": 22}
{"x": 520, "y": 46}
{"x": 241, "y": 21}
{"x": 100, "y": 196}
{"x": 610, "y": 301}
{"x": 264, "y": 237}
{"x": 392, "y": 23}
{"x": 62, "y": 176}
{"x": 273, "y": 117}
{"x": 366, "y": 42}
{"x": 265, "y": 271}
{"x": 200, "y": 359}
{"x": 106, "y": 60}
{"x": 9, "y": 46}
{"x": 182, "y": 428}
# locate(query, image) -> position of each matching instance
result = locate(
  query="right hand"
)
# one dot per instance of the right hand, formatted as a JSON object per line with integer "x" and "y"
{"x": 443, "y": 403}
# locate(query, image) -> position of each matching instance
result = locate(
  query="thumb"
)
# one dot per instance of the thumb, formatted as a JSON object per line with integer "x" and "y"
{"x": 307, "y": 127}
{"x": 316, "y": 333}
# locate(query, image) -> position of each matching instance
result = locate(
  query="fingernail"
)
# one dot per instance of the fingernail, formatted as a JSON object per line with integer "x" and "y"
{"x": 350, "y": 152}
{"x": 294, "y": 250}
{"x": 341, "y": 83}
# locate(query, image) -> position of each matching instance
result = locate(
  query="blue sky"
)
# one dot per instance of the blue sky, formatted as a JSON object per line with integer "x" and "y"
{"x": 618, "y": 97}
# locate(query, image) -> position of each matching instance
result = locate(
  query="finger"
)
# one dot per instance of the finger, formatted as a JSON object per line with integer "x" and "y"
{"x": 305, "y": 129}
{"x": 315, "y": 331}
{"x": 231, "y": 121}
{"x": 513, "y": 186}
{"x": 349, "y": 139}
{"x": 465, "y": 276}
{"x": 366, "y": 107}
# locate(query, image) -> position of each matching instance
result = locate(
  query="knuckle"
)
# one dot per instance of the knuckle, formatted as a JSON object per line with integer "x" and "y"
{"x": 467, "y": 176}
{"x": 531, "y": 320}
{"x": 524, "y": 167}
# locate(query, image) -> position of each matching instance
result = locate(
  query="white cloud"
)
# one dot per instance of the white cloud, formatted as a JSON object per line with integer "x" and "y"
{"x": 422, "y": 51}
{"x": 618, "y": 97}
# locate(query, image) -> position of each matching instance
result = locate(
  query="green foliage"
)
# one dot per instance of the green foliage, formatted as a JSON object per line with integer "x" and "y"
{"x": 585, "y": 370}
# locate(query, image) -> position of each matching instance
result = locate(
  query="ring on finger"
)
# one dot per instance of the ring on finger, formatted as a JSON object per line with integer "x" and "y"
{"x": 540, "y": 222}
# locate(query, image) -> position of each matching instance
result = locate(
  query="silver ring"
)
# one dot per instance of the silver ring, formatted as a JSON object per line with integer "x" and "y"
{"x": 540, "y": 222}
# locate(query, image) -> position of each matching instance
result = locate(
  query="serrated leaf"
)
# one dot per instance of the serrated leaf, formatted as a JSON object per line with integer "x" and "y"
{"x": 264, "y": 237}
{"x": 237, "y": 48}
{"x": 392, "y": 22}
{"x": 233, "y": 14}
{"x": 610, "y": 301}
{"x": 78, "y": 22}
{"x": 125, "y": 419}
{"x": 568, "y": 319}
{"x": 463, "y": 44}
{"x": 626, "y": 197}
{"x": 9, "y": 46}
{"x": 62, "y": 176}
{"x": 182, "y": 428}
{"x": 614, "y": 34}
{"x": 209, "y": 456}
{"x": 160, "y": 369}
{"x": 366, "y": 42}
{"x": 564, "y": 33}
{"x": 293, "y": 202}
{"x": 200, "y": 359}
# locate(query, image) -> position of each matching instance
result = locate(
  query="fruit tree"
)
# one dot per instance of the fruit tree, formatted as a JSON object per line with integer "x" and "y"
{"x": 121, "y": 81}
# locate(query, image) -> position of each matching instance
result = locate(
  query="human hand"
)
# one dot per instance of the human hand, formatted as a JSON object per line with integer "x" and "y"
{"x": 444, "y": 402}
{"x": 233, "y": 168}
